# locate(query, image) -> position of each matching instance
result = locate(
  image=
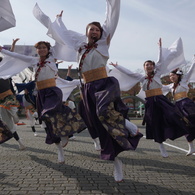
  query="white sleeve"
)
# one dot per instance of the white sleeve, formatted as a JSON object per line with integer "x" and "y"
{"x": 66, "y": 86}
{"x": 166, "y": 89}
{"x": 28, "y": 59}
{"x": 190, "y": 75}
{"x": 126, "y": 78}
{"x": 39, "y": 15}
{"x": 112, "y": 16}
{"x": 14, "y": 63}
{"x": 67, "y": 42}
{"x": 173, "y": 57}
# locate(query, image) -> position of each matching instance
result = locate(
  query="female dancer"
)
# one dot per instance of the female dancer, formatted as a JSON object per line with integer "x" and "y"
{"x": 179, "y": 89}
{"x": 60, "y": 120}
{"x": 162, "y": 118}
{"x": 8, "y": 109}
{"x": 105, "y": 111}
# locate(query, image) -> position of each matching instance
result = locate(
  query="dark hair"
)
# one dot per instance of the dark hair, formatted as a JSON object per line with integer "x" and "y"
{"x": 1, "y": 59}
{"x": 179, "y": 73}
{"x": 96, "y": 24}
{"x": 150, "y": 61}
{"x": 47, "y": 44}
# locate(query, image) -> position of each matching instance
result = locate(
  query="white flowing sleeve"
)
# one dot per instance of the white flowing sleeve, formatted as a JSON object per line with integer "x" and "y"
{"x": 39, "y": 15}
{"x": 7, "y": 18}
{"x": 13, "y": 63}
{"x": 190, "y": 75}
{"x": 126, "y": 78}
{"x": 173, "y": 57}
{"x": 66, "y": 86}
{"x": 112, "y": 16}
{"x": 67, "y": 42}
{"x": 63, "y": 36}
{"x": 167, "y": 88}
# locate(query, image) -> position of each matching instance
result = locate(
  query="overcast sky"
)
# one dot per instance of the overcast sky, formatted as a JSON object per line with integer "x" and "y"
{"x": 141, "y": 24}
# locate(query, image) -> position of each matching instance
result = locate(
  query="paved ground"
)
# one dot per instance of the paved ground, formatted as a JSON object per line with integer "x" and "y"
{"x": 35, "y": 171}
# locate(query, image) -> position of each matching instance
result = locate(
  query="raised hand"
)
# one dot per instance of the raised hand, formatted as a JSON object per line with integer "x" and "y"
{"x": 111, "y": 63}
{"x": 60, "y": 15}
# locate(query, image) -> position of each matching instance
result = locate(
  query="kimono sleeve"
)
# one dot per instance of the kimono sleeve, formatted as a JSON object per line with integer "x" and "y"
{"x": 13, "y": 63}
{"x": 190, "y": 75}
{"x": 112, "y": 17}
{"x": 126, "y": 78}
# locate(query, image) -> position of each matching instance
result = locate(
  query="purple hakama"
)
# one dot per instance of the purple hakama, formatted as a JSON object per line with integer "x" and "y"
{"x": 105, "y": 114}
{"x": 60, "y": 120}
{"x": 187, "y": 107}
{"x": 163, "y": 119}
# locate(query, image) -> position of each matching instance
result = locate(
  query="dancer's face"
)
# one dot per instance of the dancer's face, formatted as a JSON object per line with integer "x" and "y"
{"x": 42, "y": 50}
{"x": 173, "y": 77}
{"x": 93, "y": 33}
{"x": 148, "y": 67}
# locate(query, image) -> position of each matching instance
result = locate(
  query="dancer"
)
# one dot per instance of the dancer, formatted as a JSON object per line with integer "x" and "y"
{"x": 28, "y": 101}
{"x": 162, "y": 118}
{"x": 60, "y": 120}
{"x": 179, "y": 89}
{"x": 105, "y": 111}
{"x": 8, "y": 109}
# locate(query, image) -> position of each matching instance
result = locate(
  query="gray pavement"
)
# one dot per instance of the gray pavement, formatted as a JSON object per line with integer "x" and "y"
{"x": 35, "y": 171}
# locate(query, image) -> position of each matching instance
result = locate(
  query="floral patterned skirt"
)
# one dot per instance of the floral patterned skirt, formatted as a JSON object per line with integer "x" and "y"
{"x": 104, "y": 114}
{"x": 60, "y": 120}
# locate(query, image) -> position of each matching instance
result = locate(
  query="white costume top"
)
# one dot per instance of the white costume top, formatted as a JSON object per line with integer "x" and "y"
{"x": 13, "y": 63}
{"x": 168, "y": 60}
{"x": 48, "y": 71}
{"x": 97, "y": 57}
{"x": 183, "y": 84}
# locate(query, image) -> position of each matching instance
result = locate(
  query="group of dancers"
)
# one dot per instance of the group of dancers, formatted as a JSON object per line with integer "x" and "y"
{"x": 101, "y": 109}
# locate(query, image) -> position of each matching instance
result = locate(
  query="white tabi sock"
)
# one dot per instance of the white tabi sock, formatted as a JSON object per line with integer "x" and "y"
{"x": 60, "y": 153}
{"x": 97, "y": 144}
{"x": 118, "y": 170}
{"x": 163, "y": 150}
{"x": 191, "y": 149}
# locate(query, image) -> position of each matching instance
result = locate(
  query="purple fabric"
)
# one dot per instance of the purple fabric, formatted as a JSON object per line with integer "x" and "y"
{"x": 60, "y": 120}
{"x": 50, "y": 136}
{"x": 187, "y": 107}
{"x": 104, "y": 114}
{"x": 163, "y": 119}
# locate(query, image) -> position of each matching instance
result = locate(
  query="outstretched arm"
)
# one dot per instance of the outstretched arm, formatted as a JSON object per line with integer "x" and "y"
{"x": 13, "y": 44}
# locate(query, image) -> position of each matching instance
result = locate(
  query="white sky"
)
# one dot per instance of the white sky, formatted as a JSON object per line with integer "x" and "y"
{"x": 141, "y": 24}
